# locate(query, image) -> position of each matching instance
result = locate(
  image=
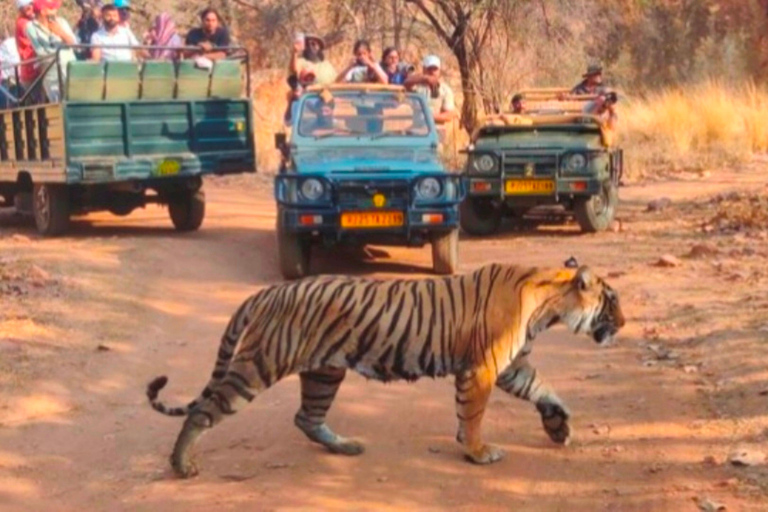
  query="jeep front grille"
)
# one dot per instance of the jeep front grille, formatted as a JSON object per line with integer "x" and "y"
{"x": 354, "y": 194}
{"x": 521, "y": 163}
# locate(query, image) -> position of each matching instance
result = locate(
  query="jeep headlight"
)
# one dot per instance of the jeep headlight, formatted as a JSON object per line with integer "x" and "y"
{"x": 484, "y": 163}
{"x": 312, "y": 189}
{"x": 575, "y": 162}
{"x": 428, "y": 188}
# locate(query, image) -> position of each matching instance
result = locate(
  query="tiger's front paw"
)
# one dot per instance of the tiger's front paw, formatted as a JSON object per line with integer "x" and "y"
{"x": 554, "y": 418}
{"x": 486, "y": 454}
{"x": 184, "y": 468}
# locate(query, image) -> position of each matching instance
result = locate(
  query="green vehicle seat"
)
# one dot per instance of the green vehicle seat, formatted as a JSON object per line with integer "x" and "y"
{"x": 158, "y": 80}
{"x": 226, "y": 80}
{"x": 122, "y": 81}
{"x": 192, "y": 82}
{"x": 85, "y": 81}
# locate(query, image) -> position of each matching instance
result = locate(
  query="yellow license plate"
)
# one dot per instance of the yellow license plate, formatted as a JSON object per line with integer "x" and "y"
{"x": 168, "y": 167}
{"x": 529, "y": 186}
{"x": 372, "y": 220}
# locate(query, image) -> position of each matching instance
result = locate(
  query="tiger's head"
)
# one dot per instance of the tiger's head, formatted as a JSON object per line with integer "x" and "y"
{"x": 592, "y": 307}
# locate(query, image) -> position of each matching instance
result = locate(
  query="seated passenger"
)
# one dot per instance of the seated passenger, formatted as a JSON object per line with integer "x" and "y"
{"x": 163, "y": 33}
{"x": 395, "y": 70}
{"x": 88, "y": 24}
{"x": 362, "y": 68}
{"x": 324, "y": 120}
{"x": 438, "y": 93}
{"x": 210, "y": 38}
{"x": 604, "y": 108}
{"x": 48, "y": 33}
{"x": 110, "y": 41}
{"x": 592, "y": 82}
{"x": 516, "y": 106}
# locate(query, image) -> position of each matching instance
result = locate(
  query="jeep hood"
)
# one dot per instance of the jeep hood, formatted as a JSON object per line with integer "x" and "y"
{"x": 366, "y": 160}
{"x": 540, "y": 140}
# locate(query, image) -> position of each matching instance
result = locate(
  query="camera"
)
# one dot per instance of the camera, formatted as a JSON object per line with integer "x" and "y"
{"x": 407, "y": 68}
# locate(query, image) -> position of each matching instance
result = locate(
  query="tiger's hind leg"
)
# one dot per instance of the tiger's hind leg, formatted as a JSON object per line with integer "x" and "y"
{"x": 522, "y": 381}
{"x": 472, "y": 391}
{"x": 318, "y": 389}
{"x": 237, "y": 388}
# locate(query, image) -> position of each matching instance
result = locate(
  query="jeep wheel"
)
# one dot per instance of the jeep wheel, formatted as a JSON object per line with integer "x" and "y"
{"x": 445, "y": 253}
{"x": 187, "y": 210}
{"x": 293, "y": 252}
{"x": 50, "y": 204}
{"x": 596, "y": 213}
{"x": 479, "y": 216}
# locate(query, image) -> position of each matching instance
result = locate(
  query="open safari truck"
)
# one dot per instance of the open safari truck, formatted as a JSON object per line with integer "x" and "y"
{"x": 124, "y": 134}
{"x": 553, "y": 157}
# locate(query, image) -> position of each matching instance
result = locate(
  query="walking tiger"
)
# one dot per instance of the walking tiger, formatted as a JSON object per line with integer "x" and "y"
{"x": 478, "y": 327}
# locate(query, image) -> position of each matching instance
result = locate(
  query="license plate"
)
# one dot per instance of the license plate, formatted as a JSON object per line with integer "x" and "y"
{"x": 168, "y": 167}
{"x": 529, "y": 186}
{"x": 371, "y": 220}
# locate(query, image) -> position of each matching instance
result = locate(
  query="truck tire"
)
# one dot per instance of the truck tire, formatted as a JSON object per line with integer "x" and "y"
{"x": 187, "y": 210}
{"x": 596, "y": 213}
{"x": 479, "y": 216}
{"x": 445, "y": 253}
{"x": 50, "y": 205}
{"x": 293, "y": 252}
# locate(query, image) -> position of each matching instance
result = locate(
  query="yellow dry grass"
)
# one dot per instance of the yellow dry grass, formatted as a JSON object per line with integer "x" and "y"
{"x": 693, "y": 128}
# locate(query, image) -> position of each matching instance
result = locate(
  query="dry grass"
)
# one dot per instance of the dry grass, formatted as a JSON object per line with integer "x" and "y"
{"x": 693, "y": 128}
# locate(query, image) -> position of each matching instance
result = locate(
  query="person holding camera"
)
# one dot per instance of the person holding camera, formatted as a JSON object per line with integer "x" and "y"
{"x": 438, "y": 93}
{"x": 211, "y": 37}
{"x": 362, "y": 68}
{"x": 395, "y": 70}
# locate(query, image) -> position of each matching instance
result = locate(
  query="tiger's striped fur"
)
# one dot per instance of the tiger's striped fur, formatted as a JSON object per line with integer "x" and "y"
{"x": 478, "y": 327}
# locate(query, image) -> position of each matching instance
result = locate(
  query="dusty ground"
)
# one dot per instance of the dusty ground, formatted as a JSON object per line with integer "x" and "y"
{"x": 87, "y": 320}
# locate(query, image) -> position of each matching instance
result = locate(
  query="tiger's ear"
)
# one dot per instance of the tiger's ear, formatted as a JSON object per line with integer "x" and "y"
{"x": 583, "y": 278}
{"x": 571, "y": 263}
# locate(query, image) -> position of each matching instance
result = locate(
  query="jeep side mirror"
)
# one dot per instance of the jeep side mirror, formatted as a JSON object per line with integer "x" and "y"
{"x": 280, "y": 141}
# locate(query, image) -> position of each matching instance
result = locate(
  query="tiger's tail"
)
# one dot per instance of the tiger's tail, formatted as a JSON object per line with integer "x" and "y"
{"x": 227, "y": 349}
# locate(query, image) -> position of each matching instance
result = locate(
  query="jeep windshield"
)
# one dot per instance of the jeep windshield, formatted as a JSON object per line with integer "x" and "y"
{"x": 363, "y": 114}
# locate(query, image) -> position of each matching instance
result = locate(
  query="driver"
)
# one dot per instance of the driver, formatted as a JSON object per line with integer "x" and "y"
{"x": 324, "y": 120}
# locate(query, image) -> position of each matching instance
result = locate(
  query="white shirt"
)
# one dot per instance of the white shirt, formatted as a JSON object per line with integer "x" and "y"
{"x": 9, "y": 57}
{"x": 122, "y": 36}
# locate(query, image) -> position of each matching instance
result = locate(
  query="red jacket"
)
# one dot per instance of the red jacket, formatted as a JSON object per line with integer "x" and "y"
{"x": 27, "y": 73}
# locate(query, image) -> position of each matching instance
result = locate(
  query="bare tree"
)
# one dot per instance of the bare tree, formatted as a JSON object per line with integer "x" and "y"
{"x": 464, "y": 26}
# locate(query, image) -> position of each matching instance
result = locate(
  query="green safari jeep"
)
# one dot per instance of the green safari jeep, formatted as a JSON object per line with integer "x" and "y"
{"x": 564, "y": 161}
{"x": 125, "y": 134}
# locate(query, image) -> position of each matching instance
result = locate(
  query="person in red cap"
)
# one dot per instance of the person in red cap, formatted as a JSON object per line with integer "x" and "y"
{"x": 48, "y": 33}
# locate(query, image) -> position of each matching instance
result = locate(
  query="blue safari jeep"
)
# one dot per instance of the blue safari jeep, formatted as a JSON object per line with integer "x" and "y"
{"x": 361, "y": 166}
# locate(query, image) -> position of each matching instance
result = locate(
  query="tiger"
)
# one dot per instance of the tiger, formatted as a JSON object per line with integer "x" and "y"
{"x": 478, "y": 327}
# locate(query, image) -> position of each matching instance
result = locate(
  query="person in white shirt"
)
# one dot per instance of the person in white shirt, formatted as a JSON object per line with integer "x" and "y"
{"x": 109, "y": 39}
{"x": 438, "y": 93}
{"x": 363, "y": 68}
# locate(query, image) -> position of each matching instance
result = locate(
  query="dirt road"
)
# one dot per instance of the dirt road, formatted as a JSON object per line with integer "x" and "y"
{"x": 88, "y": 319}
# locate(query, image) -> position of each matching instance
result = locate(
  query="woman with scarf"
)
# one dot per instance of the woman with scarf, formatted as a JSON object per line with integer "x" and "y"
{"x": 163, "y": 33}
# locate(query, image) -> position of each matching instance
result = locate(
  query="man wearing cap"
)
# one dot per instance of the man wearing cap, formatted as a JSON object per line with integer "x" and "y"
{"x": 439, "y": 94}
{"x": 48, "y": 33}
{"x": 308, "y": 62}
{"x": 592, "y": 82}
{"x": 210, "y": 38}
{"x": 111, "y": 35}
{"x": 27, "y": 72}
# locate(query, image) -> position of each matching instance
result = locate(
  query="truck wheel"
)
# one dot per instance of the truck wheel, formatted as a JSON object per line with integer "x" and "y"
{"x": 596, "y": 213}
{"x": 292, "y": 251}
{"x": 445, "y": 253}
{"x": 50, "y": 205}
{"x": 479, "y": 216}
{"x": 187, "y": 210}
